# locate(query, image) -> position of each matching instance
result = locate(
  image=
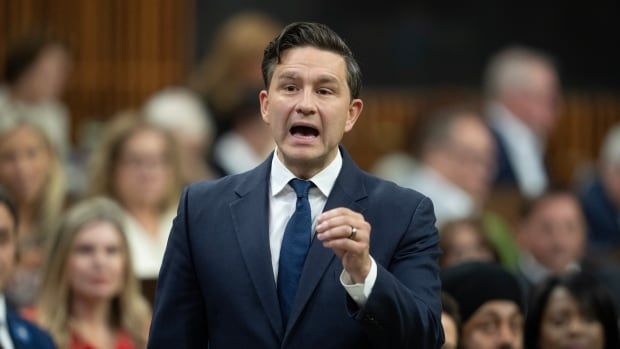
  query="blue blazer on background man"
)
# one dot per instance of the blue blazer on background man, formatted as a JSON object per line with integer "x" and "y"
{"x": 25, "y": 335}
{"x": 216, "y": 286}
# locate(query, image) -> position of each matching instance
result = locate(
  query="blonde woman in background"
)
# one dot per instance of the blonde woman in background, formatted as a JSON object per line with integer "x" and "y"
{"x": 136, "y": 165}
{"x": 90, "y": 297}
{"x": 33, "y": 177}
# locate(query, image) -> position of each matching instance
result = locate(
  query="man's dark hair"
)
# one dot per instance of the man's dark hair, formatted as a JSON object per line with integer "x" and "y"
{"x": 435, "y": 129}
{"x": 451, "y": 307}
{"x": 529, "y": 206}
{"x": 300, "y": 34}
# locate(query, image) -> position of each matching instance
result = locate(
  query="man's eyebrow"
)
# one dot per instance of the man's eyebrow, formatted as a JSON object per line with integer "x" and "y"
{"x": 287, "y": 75}
{"x": 327, "y": 79}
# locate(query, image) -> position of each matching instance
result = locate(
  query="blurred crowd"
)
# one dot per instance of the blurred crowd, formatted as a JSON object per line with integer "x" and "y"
{"x": 525, "y": 264}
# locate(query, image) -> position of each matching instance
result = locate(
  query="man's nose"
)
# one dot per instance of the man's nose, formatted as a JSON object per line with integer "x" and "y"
{"x": 507, "y": 338}
{"x": 306, "y": 104}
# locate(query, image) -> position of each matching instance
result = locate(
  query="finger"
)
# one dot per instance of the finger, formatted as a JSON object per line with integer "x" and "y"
{"x": 338, "y": 221}
{"x": 342, "y": 232}
{"x": 339, "y": 211}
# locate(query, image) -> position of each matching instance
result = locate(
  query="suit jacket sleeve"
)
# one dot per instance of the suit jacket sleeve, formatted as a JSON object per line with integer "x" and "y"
{"x": 179, "y": 314}
{"x": 404, "y": 309}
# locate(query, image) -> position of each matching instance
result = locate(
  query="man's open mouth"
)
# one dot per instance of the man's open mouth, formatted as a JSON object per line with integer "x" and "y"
{"x": 304, "y": 131}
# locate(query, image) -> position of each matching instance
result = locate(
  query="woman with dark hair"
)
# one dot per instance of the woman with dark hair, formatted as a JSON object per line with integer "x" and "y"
{"x": 574, "y": 311}
{"x": 35, "y": 74}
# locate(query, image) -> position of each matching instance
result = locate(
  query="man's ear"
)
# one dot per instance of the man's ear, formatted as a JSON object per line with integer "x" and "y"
{"x": 355, "y": 109}
{"x": 263, "y": 97}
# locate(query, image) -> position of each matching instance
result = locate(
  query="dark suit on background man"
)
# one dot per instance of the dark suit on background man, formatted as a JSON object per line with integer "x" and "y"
{"x": 25, "y": 335}
{"x": 251, "y": 265}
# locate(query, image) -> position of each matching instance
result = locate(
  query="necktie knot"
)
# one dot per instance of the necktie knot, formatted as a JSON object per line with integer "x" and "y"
{"x": 301, "y": 187}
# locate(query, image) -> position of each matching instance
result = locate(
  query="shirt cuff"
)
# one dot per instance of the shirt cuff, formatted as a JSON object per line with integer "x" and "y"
{"x": 360, "y": 292}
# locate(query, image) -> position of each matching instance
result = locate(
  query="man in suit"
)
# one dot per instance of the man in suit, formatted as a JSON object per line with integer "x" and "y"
{"x": 522, "y": 91}
{"x": 600, "y": 200}
{"x": 253, "y": 263}
{"x": 15, "y": 332}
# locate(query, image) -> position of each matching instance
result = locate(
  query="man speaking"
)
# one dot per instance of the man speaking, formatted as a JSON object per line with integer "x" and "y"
{"x": 306, "y": 250}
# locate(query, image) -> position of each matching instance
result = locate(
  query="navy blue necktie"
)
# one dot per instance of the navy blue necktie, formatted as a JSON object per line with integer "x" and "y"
{"x": 295, "y": 245}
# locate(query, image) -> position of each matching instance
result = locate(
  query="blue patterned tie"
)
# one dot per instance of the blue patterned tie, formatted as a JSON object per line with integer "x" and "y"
{"x": 295, "y": 245}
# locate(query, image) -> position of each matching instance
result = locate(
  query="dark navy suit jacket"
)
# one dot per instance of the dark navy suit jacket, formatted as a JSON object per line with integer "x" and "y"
{"x": 26, "y": 335}
{"x": 216, "y": 285}
{"x": 602, "y": 217}
{"x": 504, "y": 172}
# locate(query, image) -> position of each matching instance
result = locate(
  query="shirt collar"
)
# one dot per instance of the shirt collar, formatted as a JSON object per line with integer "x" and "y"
{"x": 324, "y": 180}
{"x": 511, "y": 126}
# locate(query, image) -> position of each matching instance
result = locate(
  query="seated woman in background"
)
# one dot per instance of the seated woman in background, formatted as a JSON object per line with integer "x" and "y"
{"x": 90, "y": 297}
{"x": 462, "y": 241}
{"x": 34, "y": 179}
{"x": 136, "y": 165}
{"x": 574, "y": 311}
{"x": 35, "y": 73}
{"x": 181, "y": 111}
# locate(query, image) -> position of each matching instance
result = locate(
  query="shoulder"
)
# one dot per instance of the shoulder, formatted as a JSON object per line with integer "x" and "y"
{"x": 27, "y": 334}
{"x": 218, "y": 188}
{"x": 221, "y": 192}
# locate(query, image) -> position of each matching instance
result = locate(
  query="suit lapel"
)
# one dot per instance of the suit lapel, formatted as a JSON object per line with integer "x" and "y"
{"x": 348, "y": 191}
{"x": 251, "y": 220}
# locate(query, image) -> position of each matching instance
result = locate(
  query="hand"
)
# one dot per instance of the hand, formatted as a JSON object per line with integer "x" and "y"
{"x": 334, "y": 229}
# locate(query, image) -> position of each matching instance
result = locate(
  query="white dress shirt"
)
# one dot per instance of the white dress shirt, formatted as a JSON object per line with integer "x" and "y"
{"x": 5, "y": 336}
{"x": 525, "y": 150}
{"x": 535, "y": 272}
{"x": 282, "y": 202}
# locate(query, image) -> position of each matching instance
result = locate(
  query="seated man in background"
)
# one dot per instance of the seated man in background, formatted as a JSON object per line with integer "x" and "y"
{"x": 522, "y": 92}
{"x": 551, "y": 237}
{"x": 457, "y": 160}
{"x": 491, "y": 305}
{"x": 456, "y": 151}
{"x": 600, "y": 200}
{"x": 15, "y": 332}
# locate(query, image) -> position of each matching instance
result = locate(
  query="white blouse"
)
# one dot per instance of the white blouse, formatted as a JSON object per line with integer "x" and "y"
{"x": 147, "y": 251}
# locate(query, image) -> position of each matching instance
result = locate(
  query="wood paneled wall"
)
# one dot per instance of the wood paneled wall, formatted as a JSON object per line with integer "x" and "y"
{"x": 123, "y": 50}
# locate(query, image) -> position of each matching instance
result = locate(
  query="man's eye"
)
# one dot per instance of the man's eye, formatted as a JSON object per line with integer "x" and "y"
{"x": 325, "y": 91}
{"x": 290, "y": 88}
{"x": 488, "y": 327}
